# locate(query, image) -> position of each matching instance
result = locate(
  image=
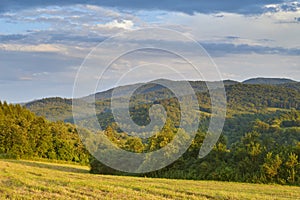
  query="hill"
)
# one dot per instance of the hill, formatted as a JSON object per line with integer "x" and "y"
{"x": 54, "y": 109}
{"x": 38, "y": 180}
{"x": 269, "y": 81}
{"x": 240, "y": 97}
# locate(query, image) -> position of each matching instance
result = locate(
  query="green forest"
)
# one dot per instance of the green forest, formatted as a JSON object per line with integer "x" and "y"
{"x": 260, "y": 141}
{"x": 268, "y": 152}
{"x": 25, "y": 135}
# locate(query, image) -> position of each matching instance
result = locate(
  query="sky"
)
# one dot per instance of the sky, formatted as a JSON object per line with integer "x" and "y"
{"x": 44, "y": 44}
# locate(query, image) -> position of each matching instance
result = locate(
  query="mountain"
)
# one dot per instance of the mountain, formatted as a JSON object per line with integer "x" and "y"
{"x": 57, "y": 108}
{"x": 153, "y": 86}
{"x": 269, "y": 81}
{"x": 240, "y": 96}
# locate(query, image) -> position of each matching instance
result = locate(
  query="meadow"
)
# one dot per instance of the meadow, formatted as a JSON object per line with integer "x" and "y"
{"x": 21, "y": 179}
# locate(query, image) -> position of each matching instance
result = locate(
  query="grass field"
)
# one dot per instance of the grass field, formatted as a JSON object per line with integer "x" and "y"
{"x": 38, "y": 180}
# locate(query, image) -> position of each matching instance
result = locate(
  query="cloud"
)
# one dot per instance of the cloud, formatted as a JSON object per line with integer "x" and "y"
{"x": 67, "y": 23}
{"x": 17, "y": 64}
{"x": 190, "y": 7}
{"x": 12, "y": 37}
{"x": 32, "y": 48}
{"x": 222, "y": 49}
{"x": 230, "y": 37}
{"x": 269, "y": 29}
{"x": 288, "y": 6}
{"x": 121, "y": 24}
{"x": 37, "y": 74}
{"x": 26, "y": 78}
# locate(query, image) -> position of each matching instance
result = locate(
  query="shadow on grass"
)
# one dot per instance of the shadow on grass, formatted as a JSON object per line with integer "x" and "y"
{"x": 52, "y": 166}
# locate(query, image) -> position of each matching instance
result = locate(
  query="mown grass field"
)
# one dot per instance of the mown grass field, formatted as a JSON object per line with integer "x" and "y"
{"x": 39, "y": 180}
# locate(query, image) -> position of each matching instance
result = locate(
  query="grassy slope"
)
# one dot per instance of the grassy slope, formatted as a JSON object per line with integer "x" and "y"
{"x": 39, "y": 180}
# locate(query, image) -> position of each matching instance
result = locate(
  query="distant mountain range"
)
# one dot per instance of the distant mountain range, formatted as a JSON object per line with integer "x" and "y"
{"x": 269, "y": 81}
{"x": 198, "y": 86}
{"x": 254, "y": 93}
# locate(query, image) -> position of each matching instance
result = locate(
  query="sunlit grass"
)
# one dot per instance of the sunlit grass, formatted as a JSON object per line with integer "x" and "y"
{"x": 38, "y": 180}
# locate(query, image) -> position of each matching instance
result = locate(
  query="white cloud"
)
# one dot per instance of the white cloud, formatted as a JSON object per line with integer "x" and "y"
{"x": 252, "y": 30}
{"x": 32, "y": 48}
{"x": 120, "y": 24}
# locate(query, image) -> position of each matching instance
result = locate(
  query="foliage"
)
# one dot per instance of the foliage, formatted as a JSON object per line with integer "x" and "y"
{"x": 263, "y": 155}
{"x": 241, "y": 98}
{"x": 24, "y": 135}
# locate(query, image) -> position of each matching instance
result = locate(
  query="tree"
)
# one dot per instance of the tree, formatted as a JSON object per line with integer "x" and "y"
{"x": 291, "y": 164}
{"x": 134, "y": 144}
{"x": 252, "y": 144}
{"x": 272, "y": 165}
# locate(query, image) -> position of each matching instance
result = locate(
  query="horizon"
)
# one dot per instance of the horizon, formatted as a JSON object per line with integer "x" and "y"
{"x": 71, "y": 97}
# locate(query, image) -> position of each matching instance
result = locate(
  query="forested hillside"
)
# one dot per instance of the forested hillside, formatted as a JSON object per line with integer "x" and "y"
{"x": 245, "y": 104}
{"x": 25, "y": 135}
{"x": 53, "y": 109}
{"x": 268, "y": 152}
{"x": 269, "y": 81}
{"x": 260, "y": 141}
{"x": 240, "y": 97}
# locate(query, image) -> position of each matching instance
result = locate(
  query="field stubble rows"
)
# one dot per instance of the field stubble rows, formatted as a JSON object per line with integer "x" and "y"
{"x": 21, "y": 179}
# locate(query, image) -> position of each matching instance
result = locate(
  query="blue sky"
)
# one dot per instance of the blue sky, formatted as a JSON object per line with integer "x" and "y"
{"x": 43, "y": 44}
